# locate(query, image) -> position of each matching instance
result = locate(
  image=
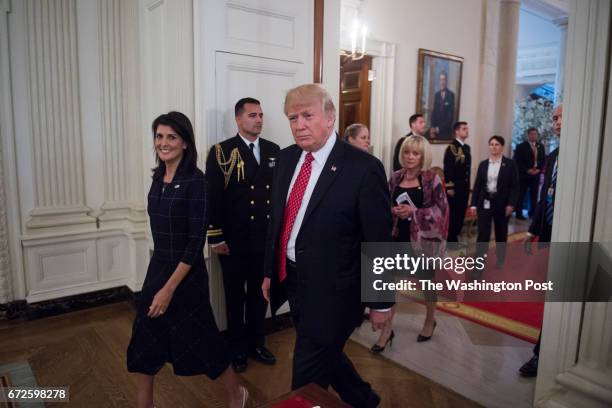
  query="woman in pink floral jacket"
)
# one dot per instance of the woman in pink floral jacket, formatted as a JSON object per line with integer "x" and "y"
{"x": 420, "y": 216}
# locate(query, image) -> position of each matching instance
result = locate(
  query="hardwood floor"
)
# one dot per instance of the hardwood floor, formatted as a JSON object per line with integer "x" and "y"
{"x": 86, "y": 351}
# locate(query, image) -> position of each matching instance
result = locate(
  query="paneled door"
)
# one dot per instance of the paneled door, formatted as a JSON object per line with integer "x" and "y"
{"x": 355, "y": 91}
{"x": 256, "y": 48}
{"x": 265, "y": 79}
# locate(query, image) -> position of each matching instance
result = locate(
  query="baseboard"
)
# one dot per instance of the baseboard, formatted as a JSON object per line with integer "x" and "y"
{"x": 12, "y": 310}
{"x": 32, "y": 311}
{"x": 21, "y": 309}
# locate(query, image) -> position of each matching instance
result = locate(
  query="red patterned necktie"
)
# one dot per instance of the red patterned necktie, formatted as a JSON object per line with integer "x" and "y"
{"x": 291, "y": 210}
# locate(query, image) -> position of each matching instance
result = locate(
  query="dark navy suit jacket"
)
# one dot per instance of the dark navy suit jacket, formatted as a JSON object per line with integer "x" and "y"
{"x": 350, "y": 204}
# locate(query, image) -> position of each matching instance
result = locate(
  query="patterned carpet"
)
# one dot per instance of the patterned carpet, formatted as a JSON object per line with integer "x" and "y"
{"x": 17, "y": 374}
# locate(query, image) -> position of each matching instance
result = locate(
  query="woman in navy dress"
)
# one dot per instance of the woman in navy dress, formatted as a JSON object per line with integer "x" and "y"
{"x": 174, "y": 322}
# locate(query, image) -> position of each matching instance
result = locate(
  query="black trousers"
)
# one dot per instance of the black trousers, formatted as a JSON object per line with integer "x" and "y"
{"x": 457, "y": 206}
{"x": 324, "y": 364}
{"x": 531, "y": 184}
{"x": 244, "y": 302}
{"x": 496, "y": 215}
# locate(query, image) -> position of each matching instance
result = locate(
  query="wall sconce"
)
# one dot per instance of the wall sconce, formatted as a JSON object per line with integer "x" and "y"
{"x": 356, "y": 54}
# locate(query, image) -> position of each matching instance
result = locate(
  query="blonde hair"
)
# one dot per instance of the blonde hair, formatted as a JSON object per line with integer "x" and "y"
{"x": 353, "y": 130}
{"x": 439, "y": 171}
{"x": 307, "y": 94}
{"x": 420, "y": 144}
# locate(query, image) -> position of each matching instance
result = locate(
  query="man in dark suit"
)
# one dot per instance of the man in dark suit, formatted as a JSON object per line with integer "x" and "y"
{"x": 529, "y": 157}
{"x": 457, "y": 169}
{"x": 541, "y": 224}
{"x": 328, "y": 197}
{"x": 239, "y": 173}
{"x": 443, "y": 114}
{"x": 417, "y": 127}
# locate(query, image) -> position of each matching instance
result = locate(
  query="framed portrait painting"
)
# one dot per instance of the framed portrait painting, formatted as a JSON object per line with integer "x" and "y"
{"x": 439, "y": 93}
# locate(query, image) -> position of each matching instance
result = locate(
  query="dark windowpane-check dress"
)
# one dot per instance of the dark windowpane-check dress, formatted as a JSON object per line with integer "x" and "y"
{"x": 186, "y": 335}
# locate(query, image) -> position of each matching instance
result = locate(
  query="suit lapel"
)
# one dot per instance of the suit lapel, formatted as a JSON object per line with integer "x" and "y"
{"x": 550, "y": 167}
{"x": 286, "y": 171}
{"x": 502, "y": 172}
{"x": 264, "y": 155}
{"x": 331, "y": 168}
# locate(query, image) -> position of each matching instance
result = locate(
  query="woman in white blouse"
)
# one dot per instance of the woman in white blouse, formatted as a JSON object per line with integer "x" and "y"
{"x": 494, "y": 197}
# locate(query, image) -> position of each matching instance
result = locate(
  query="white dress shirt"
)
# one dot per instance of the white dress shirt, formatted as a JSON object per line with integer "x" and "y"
{"x": 493, "y": 174}
{"x": 534, "y": 150}
{"x": 461, "y": 142}
{"x": 318, "y": 163}
{"x": 256, "y": 151}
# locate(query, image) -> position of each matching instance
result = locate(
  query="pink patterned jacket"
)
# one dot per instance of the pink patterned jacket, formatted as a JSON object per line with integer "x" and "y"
{"x": 429, "y": 226}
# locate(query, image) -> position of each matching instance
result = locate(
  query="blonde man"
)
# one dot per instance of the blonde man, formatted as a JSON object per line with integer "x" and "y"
{"x": 327, "y": 199}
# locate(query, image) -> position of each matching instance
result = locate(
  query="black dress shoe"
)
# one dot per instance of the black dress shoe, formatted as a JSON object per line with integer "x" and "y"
{"x": 376, "y": 349}
{"x": 373, "y": 400}
{"x": 421, "y": 338}
{"x": 530, "y": 368}
{"x": 263, "y": 355}
{"x": 240, "y": 363}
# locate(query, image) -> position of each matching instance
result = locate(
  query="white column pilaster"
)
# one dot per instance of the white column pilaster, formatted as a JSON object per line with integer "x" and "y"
{"x": 506, "y": 68}
{"x": 560, "y": 77}
{"x": 53, "y": 83}
{"x": 6, "y": 289}
{"x": 119, "y": 93}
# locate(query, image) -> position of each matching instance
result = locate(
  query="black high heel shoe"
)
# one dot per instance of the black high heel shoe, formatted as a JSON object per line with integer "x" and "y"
{"x": 421, "y": 338}
{"x": 376, "y": 349}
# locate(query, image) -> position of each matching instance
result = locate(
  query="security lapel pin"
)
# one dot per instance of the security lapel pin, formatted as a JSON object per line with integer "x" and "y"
{"x": 177, "y": 186}
{"x": 333, "y": 168}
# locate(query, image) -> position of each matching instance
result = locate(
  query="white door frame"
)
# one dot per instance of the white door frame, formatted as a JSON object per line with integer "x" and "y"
{"x": 587, "y": 72}
{"x": 381, "y": 101}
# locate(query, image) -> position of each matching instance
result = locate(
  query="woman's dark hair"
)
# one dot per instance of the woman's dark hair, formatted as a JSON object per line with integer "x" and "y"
{"x": 500, "y": 139}
{"x": 182, "y": 126}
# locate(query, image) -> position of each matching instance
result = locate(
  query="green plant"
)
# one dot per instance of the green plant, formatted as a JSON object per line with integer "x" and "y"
{"x": 534, "y": 112}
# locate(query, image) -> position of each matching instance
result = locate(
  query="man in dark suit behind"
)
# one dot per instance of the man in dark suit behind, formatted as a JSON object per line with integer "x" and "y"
{"x": 541, "y": 225}
{"x": 328, "y": 197}
{"x": 529, "y": 157}
{"x": 457, "y": 169}
{"x": 443, "y": 114}
{"x": 418, "y": 126}
{"x": 239, "y": 174}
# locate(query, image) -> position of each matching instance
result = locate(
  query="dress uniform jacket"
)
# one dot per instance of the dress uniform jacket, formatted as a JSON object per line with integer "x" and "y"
{"x": 457, "y": 168}
{"x": 240, "y": 193}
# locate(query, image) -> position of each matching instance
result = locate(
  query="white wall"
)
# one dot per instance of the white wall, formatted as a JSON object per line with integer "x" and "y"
{"x": 535, "y": 30}
{"x": 408, "y": 24}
